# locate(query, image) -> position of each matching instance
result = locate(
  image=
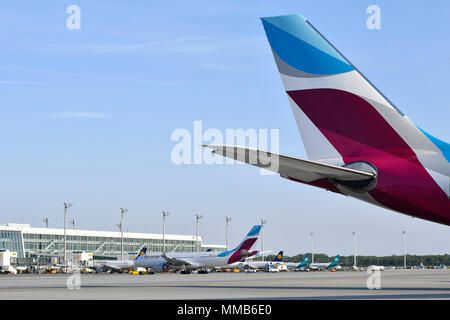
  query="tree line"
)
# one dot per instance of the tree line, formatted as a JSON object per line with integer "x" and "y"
{"x": 364, "y": 261}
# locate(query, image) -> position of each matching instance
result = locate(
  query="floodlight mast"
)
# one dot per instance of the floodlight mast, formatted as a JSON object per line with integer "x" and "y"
{"x": 227, "y": 220}
{"x": 73, "y": 228}
{"x": 263, "y": 222}
{"x": 123, "y": 211}
{"x": 197, "y": 217}
{"x": 46, "y": 222}
{"x": 164, "y": 214}
{"x": 67, "y": 205}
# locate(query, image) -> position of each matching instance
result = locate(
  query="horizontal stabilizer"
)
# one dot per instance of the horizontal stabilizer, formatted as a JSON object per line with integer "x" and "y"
{"x": 286, "y": 166}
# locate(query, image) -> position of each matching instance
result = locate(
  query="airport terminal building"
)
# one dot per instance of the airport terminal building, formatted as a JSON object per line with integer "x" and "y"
{"x": 29, "y": 242}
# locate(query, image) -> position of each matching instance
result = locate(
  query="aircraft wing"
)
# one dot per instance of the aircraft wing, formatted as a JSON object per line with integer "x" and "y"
{"x": 111, "y": 266}
{"x": 290, "y": 167}
{"x": 259, "y": 254}
{"x": 251, "y": 265}
{"x": 115, "y": 266}
{"x": 177, "y": 262}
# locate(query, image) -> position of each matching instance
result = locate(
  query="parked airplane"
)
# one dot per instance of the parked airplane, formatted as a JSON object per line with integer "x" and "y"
{"x": 194, "y": 260}
{"x": 326, "y": 265}
{"x": 358, "y": 142}
{"x": 113, "y": 265}
{"x": 299, "y": 265}
{"x": 243, "y": 262}
{"x": 249, "y": 263}
{"x": 276, "y": 267}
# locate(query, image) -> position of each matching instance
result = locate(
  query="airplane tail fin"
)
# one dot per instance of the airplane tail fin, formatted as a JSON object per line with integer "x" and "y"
{"x": 141, "y": 253}
{"x": 279, "y": 256}
{"x": 304, "y": 262}
{"x": 335, "y": 261}
{"x": 243, "y": 249}
{"x": 341, "y": 116}
{"x": 249, "y": 239}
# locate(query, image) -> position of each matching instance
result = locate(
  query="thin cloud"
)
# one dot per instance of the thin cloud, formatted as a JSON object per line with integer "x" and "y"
{"x": 146, "y": 45}
{"x": 194, "y": 45}
{"x": 81, "y": 115}
{"x": 32, "y": 83}
{"x": 72, "y": 75}
{"x": 218, "y": 67}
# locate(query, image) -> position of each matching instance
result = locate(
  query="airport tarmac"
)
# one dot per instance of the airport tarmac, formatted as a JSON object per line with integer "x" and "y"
{"x": 395, "y": 284}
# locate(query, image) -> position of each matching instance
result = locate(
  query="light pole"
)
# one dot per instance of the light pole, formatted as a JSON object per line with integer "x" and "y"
{"x": 197, "y": 217}
{"x": 263, "y": 222}
{"x": 119, "y": 225}
{"x": 354, "y": 249}
{"x": 123, "y": 211}
{"x": 227, "y": 219}
{"x": 312, "y": 247}
{"x": 73, "y": 228}
{"x": 164, "y": 214}
{"x": 46, "y": 222}
{"x": 404, "y": 248}
{"x": 66, "y": 207}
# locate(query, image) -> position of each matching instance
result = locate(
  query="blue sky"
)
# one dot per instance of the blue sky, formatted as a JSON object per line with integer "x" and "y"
{"x": 86, "y": 116}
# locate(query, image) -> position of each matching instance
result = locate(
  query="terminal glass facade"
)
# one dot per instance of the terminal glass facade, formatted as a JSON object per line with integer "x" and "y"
{"x": 54, "y": 244}
{"x": 31, "y": 242}
{"x": 11, "y": 240}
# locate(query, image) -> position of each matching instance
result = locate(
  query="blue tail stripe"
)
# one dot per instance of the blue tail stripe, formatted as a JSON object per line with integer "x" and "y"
{"x": 298, "y": 44}
{"x": 441, "y": 145}
{"x": 254, "y": 231}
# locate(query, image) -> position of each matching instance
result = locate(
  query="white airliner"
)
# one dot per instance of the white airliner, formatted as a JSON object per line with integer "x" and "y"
{"x": 114, "y": 265}
{"x": 195, "y": 260}
{"x": 249, "y": 263}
